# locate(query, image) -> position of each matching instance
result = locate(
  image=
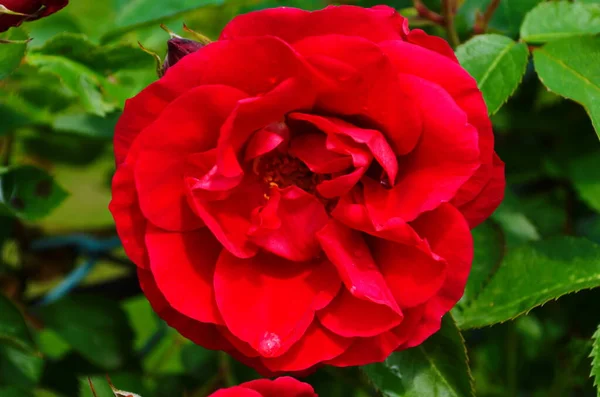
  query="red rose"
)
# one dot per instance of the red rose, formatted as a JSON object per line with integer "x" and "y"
{"x": 300, "y": 192}
{"x": 34, "y": 9}
{"x": 281, "y": 387}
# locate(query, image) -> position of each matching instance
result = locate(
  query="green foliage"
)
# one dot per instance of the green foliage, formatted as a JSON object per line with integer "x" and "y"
{"x": 595, "y": 355}
{"x": 28, "y": 192}
{"x": 438, "y": 367}
{"x": 81, "y": 81}
{"x": 568, "y": 67}
{"x": 489, "y": 252}
{"x": 136, "y": 13}
{"x": 13, "y": 330}
{"x": 560, "y": 19}
{"x": 585, "y": 174}
{"x": 79, "y": 48}
{"x": 62, "y": 93}
{"x": 507, "y": 19}
{"x": 13, "y": 391}
{"x": 497, "y": 63}
{"x": 560, "y": 266}
{"x": 12, "y": 50}
{"x": 96, "y": 328}
{"x": 20, "y": 362}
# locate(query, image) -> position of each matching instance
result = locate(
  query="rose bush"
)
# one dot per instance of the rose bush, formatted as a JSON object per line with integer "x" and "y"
{"x": 301, "y": 191}
{"x": 34, "y": 9}
{"x": 281, "y": 387}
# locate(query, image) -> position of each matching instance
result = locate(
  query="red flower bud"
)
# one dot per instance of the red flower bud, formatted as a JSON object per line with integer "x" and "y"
{"x": 31, "y": 10}
{"x": 177, "y": 48}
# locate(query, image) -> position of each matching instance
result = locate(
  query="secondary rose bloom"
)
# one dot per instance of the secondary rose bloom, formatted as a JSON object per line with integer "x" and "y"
{"x": 34, "y": 9}
{"x": 281, "y": 387}
{"x": 301, "y": 191}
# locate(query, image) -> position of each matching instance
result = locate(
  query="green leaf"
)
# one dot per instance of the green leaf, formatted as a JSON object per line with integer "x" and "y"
{"x": 13, "y": 330}
{"x": 29, "y": 192}
{"x": 517, "y": 227}
{"x": 18, "y": 367}
{"x": 14, "y": 392}
{"x": 585, "y": 175}
{"x": 84, "y": 83}
{"x": 560, "y": 19}
{"x": 488, "y": 240}
{"x": 531, "y": 275}
{"x": 438, "y": 367}
{"x": 497, "y": 63}
{"x": 96, "y": 328}
{"x": 87, "y": 124}
{"x": 595, "y": 355}
{"x": 136, "y": 13}
{"x": 78, "y": 48}
{"x": 11, "y": 54}
{"x": 20, "y": 362}
{"x": 15, "y": 112}
{"x": 570, "y": 68}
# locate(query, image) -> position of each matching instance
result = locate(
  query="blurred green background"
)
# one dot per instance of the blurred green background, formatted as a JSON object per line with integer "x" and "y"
{"x": 58, "y": 111}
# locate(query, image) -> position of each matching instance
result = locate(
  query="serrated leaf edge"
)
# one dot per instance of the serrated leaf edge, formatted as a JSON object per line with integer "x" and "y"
{"x": 595, "y": 356}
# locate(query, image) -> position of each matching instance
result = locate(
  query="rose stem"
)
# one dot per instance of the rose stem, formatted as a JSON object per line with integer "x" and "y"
{"x": 449, "y": 11}
{"x": 426, "y": 13}
{"x": 482, "y": 20}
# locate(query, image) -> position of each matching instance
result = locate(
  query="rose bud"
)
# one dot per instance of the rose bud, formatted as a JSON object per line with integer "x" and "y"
{"x": 301, "y": 191}
{"x": 15, "y": 12}
{"x": 177, "y": 48}
{"x": 283, "y": 387}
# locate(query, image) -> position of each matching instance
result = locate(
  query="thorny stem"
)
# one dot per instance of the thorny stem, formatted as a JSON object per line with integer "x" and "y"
{"x": 426, "y": 13}
{"x": 482, "y": 20}
{"x": 449, "y": 12}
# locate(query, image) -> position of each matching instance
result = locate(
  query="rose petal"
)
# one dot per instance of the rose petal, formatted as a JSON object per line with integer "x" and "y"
{"x": 287, "y": 224}
{"x": 205, "y": 335}
{"x": 183, "y": 265}
{"x": 228, "y": 215}
{"x": 441, "y": 70}
{"x": 352, "y": 212}
{"x": 281, "y": 387}
{"x": 365, "y": 351}
{"x": 255, "y": 113}
{"x": 412, "y": 275}
{"x": 266, "y": 139}
{"x": 372, "y": 95}
{"x": 216, "y": 63}
{"x": 129, "y": 220}
{"x": 317, "y": 345}
{"x": 433, "y": 43}
{"x": 268, "y": 301}
{"x": 454, "y": 244}
{"x": 291, "y": 24}
{"x": 350, "y": 254}
{"x": 341, "y": 185}
{"x": 373, "y": 139}
{"x": 445, "y": 158}
{"x": 350, "y": 317}
{"x": 236, "y": 391}
{"x": 189, "y": 124}
{"x": 311, "y": 149}
{"x": 490, "y": 197}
